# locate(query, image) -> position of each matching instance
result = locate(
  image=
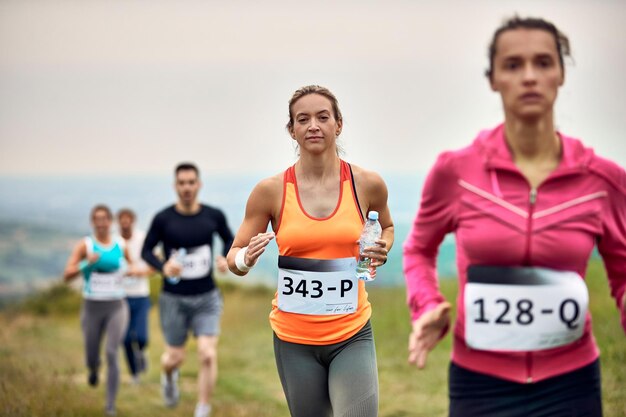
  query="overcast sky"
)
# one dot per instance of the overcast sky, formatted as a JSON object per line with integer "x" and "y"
{"x": 133, "y": 87}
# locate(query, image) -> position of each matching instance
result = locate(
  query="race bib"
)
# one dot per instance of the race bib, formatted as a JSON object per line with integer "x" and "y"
{"x": 523, "y": 308}
{"x": 196, "y": 262}
{"x": 105, "y": 285}
{"x": 317, "y": 286}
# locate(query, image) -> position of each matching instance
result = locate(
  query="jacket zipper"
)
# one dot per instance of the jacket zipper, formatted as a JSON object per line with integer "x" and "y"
{"x": 532, "y": 199}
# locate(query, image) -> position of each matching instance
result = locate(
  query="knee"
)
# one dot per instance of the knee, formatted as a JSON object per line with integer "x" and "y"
{"x": 172, "y": 359}
{"x": 207, "y": 355}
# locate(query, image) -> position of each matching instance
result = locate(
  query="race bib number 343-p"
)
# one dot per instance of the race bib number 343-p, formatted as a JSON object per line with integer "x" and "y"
{"x": 317, "y": 286}
{"x": 523, "y": 308}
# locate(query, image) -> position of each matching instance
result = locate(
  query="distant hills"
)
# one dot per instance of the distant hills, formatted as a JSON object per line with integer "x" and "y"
{"x": 42, "y": 218}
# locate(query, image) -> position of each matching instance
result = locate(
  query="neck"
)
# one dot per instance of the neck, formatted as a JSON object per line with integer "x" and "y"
{"x": 532, "y": 141}
{"x": 317, "y": 166}
{"x": 184, "y": 208}
{"x": 103, "y": 237}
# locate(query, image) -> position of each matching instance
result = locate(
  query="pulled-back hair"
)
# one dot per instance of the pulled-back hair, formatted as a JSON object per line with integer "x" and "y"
{"x": 561, "y": 41}
{"x": 101, "y": 207}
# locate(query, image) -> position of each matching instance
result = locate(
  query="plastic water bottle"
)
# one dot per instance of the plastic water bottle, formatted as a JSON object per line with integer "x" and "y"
{"x": 370, "y": 234}
{"x": 180, "y": 257}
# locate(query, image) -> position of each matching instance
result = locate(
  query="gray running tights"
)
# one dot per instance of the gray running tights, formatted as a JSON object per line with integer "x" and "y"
{"x": 97, "y": 318}
{"x": 338, "y": 380}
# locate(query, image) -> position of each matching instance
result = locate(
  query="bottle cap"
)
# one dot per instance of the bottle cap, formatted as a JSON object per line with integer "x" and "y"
{"x": 372, "y": 215}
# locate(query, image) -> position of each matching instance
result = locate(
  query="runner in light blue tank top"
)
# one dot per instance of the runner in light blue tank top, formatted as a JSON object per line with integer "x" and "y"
{"x": 101, "y": 260}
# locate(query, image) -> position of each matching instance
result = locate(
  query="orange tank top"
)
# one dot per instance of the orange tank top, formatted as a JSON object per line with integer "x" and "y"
{"x": 302, "y": 236}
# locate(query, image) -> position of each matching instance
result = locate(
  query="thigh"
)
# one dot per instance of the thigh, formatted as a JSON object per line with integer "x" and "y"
{"x": 92, "y": 321}
{"x": 206, "y": 314}
{"x": 141, "y": 319}
{"x": 174, "y": 320}
{"x": 116, "y": 324}
{"x": 575, "y": 394}
{"x": 353, "y": 377}
{"x": 132, "y": 314}
{"x": 304, "y": 379}
{"x": 473, "y": 394}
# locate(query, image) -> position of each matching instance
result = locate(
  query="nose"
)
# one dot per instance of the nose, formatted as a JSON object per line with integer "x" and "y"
{"x": 529, "y": 74}
{"x": 313, "y": 125}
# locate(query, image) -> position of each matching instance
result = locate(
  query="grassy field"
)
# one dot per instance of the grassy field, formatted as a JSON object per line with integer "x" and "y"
{"x": 42, "y": 372}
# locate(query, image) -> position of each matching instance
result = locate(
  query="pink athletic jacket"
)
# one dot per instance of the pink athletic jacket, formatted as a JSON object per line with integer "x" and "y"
{"x": 479, "y": 194}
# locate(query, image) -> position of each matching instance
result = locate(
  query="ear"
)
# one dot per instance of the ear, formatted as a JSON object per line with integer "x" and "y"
{"x": 339, "y": 127}
{"x": 493, "y": 85}
{"x": 292, "y": 133}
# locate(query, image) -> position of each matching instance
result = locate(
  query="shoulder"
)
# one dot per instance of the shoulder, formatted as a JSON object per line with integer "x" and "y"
{"x": 610, "y": 171}
{"x": 165, "y": 213}
{"x": 371, "y": 180}
{"x": 119, "y": 241}
{"x": 269, "y": 187}
{"x": 578, "y": 155}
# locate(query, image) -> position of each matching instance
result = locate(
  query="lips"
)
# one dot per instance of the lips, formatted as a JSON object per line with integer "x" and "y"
{"x": 531, "y": 96}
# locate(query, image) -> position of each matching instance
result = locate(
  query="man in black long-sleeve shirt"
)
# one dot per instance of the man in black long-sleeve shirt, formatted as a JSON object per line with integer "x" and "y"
{"x": 190, "y": 299}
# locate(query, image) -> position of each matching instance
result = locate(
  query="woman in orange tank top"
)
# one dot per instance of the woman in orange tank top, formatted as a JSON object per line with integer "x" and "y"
{"x": 323, "y": 340}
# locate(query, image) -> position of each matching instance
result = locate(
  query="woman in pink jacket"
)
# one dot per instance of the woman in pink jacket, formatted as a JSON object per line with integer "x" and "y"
{"x": 527, "y": 205}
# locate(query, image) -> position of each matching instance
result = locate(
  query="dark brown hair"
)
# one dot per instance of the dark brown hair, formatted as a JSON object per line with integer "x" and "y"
{"x": 101, "y": 207}
{"x": 561, "y": 41}
{"x": 187, "y": 166}
{"x": 126, "y": 212}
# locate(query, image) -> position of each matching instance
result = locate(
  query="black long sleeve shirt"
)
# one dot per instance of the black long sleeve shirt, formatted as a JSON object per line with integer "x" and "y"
{"x": 173, "y": 231}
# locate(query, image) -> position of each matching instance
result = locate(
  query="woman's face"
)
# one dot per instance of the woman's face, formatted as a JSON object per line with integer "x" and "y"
{"x": 314, "y": 125}
{"x": 101, "y": 222}
{"x": 527, "y": 72}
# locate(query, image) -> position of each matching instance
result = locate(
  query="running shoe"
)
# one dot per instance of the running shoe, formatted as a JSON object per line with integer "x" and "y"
{"x": 169, "y": 388}
{"x": 202, "y": 410}
{"x": 92, "y": 378}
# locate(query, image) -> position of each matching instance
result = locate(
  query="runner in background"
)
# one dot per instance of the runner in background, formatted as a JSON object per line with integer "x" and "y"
{"x": 190, "y": 300}
{"x": 323, "y": 340}
{"x": 101, "y": 260}
{"x": 527, "y": 205}
{"x": 137, "y": 288}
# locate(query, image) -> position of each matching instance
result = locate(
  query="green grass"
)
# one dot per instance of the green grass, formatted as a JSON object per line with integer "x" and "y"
{"x": 42, "y": 371}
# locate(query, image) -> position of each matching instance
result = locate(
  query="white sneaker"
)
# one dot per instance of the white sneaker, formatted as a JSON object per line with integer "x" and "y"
{"x": 202, "y": 410}
{"x": 169, "y": 388}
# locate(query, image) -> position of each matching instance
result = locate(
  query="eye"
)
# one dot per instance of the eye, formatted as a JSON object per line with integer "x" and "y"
{"x": 545, "y": 62}
{"x": 302, "y": 119}
{"x": 324, "y": 117}
{"x": 511, "y": 65}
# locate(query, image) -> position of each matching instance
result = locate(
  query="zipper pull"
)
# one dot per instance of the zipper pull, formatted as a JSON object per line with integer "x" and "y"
{"x": 533, "y": 196}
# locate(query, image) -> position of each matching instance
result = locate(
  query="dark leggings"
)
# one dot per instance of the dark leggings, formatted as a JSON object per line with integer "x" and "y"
{"x": 97, "y": 319}
{"x": 338, "y": 380}
{"x": 137, "y": 335}
{"x": 574, "y": 394}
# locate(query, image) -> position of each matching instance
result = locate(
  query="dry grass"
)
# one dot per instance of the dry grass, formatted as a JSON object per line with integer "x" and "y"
{"x": 42, "y": 371}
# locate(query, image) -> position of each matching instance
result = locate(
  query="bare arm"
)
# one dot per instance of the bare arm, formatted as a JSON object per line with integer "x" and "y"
{"x": 261, "y": 209}
{"x": 73, "y": 265}
{"x": 372, "y": 193}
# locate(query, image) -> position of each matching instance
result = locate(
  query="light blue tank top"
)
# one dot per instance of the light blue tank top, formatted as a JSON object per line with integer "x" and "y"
{"x": 103, "y": 280}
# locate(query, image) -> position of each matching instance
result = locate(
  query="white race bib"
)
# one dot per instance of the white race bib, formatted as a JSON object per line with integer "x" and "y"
{"x": 196, "y": 263}
{"x": 317, "y": 286}
{"x": 523, "y": 308}
{"x": 106, "y": 285}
